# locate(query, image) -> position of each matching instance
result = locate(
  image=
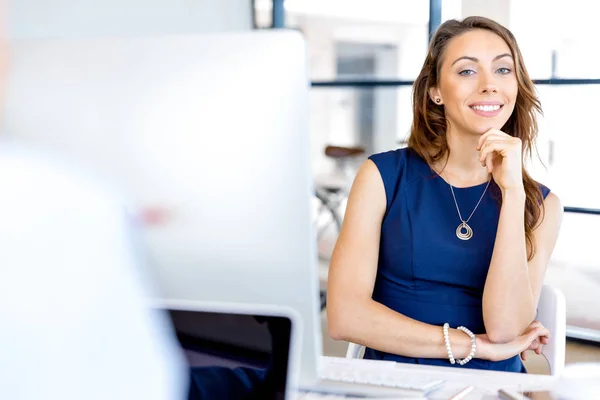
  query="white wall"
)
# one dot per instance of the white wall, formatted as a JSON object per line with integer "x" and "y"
{"x": 98, "y": 18}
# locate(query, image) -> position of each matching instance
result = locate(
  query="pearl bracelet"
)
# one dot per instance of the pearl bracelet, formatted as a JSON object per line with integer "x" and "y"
{"x": 473, "y": 346}
{"x": 447, "y": 341}
{"x": 449, "y": 347}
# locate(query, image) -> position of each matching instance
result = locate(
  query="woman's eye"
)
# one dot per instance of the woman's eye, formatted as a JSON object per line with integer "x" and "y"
{"x": 504, "y": 71}
{"x": 466, "y": 72}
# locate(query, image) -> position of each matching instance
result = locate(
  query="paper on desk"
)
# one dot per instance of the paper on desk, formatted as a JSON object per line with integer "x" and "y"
{"x": 321, "y": 396}
{"x": 390, "y": 398}
{"x": 451, "y": 389}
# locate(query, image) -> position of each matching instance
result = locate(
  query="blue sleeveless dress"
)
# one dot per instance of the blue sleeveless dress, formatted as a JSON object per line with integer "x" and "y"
{"x": 424, "y": 271}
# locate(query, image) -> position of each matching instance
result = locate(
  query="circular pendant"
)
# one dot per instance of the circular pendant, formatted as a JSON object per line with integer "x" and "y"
{"x": 467, "y": 234}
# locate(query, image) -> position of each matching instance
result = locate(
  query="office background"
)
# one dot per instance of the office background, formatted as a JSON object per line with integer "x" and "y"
{"x": 363, "y": 59}
{"x": 363, "y": 56}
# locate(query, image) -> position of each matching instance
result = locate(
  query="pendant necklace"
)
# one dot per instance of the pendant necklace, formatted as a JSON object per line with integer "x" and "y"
{"x": 464, "y": 231}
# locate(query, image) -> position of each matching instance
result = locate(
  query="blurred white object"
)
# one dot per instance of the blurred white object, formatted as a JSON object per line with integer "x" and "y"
{"x": 579, "y": 381}
{"x": 75, "y": 323}
{"x": 208, "y": 135}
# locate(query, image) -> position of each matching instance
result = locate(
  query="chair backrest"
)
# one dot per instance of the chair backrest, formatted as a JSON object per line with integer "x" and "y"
{"x": 552, "y": 314}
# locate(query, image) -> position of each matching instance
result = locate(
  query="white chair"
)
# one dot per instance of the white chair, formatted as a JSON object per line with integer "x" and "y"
{"x": 552, "y": 314}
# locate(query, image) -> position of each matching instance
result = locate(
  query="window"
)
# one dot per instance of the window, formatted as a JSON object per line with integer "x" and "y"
{"x": 389, "y": 35}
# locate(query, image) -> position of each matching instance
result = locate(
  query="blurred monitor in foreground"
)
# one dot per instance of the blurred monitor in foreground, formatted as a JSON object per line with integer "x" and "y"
{"x": 208, "y": 136}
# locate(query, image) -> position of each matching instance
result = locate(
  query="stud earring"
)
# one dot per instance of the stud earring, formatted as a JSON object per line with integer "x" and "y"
{"x": 438, "y": 100}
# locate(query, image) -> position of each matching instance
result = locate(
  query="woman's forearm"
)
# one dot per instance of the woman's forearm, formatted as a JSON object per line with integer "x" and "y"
{"x": 374, "y": 325}
{"x": 508, "y": 301}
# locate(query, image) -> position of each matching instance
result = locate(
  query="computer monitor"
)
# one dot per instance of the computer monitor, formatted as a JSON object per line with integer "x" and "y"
{"x": 237, "y": 351}
{"x": 211, "y": 129}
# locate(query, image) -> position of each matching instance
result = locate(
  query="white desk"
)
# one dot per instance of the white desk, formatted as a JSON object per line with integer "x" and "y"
{"x": 486, "y": 383}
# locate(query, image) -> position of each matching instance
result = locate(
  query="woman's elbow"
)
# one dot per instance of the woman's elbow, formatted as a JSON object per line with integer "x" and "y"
{"x": 345, "y": 314}
{"x": 337, "y": 324}
{"x": 336, "y": 332}
{"x": 501, "y": 337}
{"x": 501, "y": 332}
{"x": 341, "y": 318}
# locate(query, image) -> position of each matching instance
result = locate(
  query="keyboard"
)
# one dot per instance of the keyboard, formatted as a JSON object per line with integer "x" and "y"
{"x": 377, "y": 373}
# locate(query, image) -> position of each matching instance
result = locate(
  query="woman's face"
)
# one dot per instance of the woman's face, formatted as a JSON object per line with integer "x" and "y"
{"x": 477, "y": 82}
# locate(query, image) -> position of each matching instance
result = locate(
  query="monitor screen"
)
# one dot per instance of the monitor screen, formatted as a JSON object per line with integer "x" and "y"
{"x": 234, "y": 356}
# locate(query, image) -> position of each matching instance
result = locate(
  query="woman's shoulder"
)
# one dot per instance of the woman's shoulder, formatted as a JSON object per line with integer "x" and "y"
{"x": 397, "y": 168}
{"x": 552, "y": 202}
{"x": 404, "y": 161}
{"x": 544, "y": 189}
{"x": 390, "y": 157}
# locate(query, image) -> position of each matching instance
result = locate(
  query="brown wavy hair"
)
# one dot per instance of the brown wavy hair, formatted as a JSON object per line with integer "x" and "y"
{"x": 428, "y": 131}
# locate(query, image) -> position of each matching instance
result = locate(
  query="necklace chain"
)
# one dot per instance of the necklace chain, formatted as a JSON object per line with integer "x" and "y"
{"x": 473, "y": 212}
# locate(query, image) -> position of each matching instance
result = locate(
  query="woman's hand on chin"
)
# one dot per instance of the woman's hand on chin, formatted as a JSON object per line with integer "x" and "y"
{"x": 501, "y": 154}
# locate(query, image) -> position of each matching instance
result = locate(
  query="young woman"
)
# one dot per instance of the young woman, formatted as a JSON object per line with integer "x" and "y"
{"x": 451, "y": 230}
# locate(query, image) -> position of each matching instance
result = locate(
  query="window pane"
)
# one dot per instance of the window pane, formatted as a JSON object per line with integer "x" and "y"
{"x": 575, "y": 270}
{"x": 385, "y": 39}
{"x": 568, "y": 30}
{"x": 568, "y": 144}
{"x": 376, "y": 119}
{"x": 553, "y": 36}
